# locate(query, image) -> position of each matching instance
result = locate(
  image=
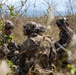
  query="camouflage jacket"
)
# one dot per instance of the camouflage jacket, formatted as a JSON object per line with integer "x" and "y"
{"x": 65, "y": 36}
{"x": 38, "y": 44}
{"x": 39, "y": 48}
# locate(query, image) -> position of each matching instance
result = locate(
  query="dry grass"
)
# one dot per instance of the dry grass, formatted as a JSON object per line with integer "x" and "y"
{"x": 18, "y": 31}
{"x": 52, "y": 31}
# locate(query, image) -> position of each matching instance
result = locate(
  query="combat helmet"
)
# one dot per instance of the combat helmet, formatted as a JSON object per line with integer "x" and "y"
{"x": 8, "y": 24}
{"x": 62, "y": 22}
{"x": 40, "y": 28}
{"x": 33, "y": 27}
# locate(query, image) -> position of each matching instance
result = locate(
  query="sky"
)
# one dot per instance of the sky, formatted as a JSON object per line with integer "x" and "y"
{"x": 39, "y": 5}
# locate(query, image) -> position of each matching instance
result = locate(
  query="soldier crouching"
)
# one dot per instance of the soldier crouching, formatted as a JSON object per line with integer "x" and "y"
{"x": 35, "y": 51}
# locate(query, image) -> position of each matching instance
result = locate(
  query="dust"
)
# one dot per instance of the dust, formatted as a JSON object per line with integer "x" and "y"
{"x": 72, "y": 50}
{"x": 4, "y": 68}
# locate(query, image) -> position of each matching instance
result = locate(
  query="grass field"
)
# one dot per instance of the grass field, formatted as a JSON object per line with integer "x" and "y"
{"x": 51, "y": 31}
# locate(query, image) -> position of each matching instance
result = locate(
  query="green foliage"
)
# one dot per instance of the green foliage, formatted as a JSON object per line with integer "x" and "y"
{"x": 10, "y": 63}
{"x": 14, "y": 18}
{"x": 9, "y": 74}
{"x": 11, "y": 8}
{"x": 1, "y": 23}
{"x": 71, "y": 69}
{"x": 22, "y": 2}
{"x": 0, "y": 6}
{"x": 12, "y": 13}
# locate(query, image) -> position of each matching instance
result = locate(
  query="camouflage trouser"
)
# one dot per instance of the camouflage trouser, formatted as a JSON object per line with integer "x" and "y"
{"x": 37, "y": 70}
{"x": 41, "y": 67}
{"x": 62, "y": 57}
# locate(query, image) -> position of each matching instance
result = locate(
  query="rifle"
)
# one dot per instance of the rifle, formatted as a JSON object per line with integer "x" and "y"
{"x": 61, "y": 47}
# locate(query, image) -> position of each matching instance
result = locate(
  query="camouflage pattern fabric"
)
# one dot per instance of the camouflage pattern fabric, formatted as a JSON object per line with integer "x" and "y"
{"x": 65, "y": 36}
{"x": 64, "y": 41}
{"x": 38, "y": 48}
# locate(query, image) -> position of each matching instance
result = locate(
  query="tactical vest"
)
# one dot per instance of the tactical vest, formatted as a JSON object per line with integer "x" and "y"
{"x": 41, "y": 65}
{"x": 66, "y": 36}
{"x": 42, "y": 42}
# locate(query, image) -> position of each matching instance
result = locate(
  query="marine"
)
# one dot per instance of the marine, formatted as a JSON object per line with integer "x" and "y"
{"x": 65, "y": 37}
{"x": 35, "y": 51}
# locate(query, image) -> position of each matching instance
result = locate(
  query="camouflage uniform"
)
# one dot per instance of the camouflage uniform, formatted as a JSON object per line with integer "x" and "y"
{"x": 4, "y": 36}
{"x": 35, "y": 53}
{"x": 6, "y": 66}
{"x": 45, "y": 59}
{"x": 65, "y": 36}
